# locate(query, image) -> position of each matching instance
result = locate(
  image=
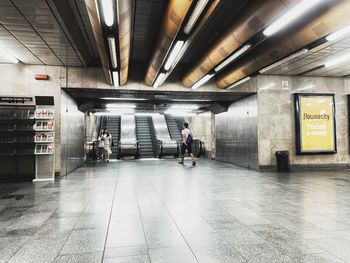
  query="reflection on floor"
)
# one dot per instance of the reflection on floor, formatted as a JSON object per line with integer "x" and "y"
{"x": 159, "y": 211}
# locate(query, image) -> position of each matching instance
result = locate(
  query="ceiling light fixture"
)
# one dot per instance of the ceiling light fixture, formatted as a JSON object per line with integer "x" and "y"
{"x": 178, "y": 112}
{"x": 6, "y": 57}
{"x": 112, "y": 98}
{"x": 339, "y": 34}
{"x": 290, "y": 16}
{"x": 184, "y": 100}
{"x": 121, "y": 106}
{"x": 198, "y": 10}
{"x": 173, "y": 54}
{"x": 108, "y": 12}
{"x": 239, "y": 82}
{"x": 184, "y": 107}
{"x": 280, "y": 62}
{"x": 233, "y": 57}
{"x": 113, "y": 51}
{"x": 147, "y": 114}
{"x": 202, "y": 81}
{"x": 116, "y": 78}
{"x": 338, "y": 60}
{"x": 159, "y": 80}
{"x": 181, "y": 114}
{"x": 114, "y": 113}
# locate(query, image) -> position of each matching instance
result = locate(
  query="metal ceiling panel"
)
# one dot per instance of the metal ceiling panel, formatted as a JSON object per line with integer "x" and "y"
{"x": 41, "y": 18}
{"x": 16, "y": 48}
{"x": 12, "y": 20}
{"x": 315, "y": 58}
{"x": 79, "y": 8}
{"x": 148, "y": 15}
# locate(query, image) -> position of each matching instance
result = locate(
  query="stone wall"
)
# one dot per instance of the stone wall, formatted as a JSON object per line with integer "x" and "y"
{"x": 276, "y": 124}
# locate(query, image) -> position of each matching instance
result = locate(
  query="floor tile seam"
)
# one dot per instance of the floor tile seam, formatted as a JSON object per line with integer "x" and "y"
{"x": 128, "y": 256}
{"x": 110, "y": 217}
{"x": 70, "y": 233}
{"x": 220, "y": 235}
{"x": 174, "y": 222}
{"x": 307, "y": 241}
{"x": 322, "y": 253}
{"x": 142, "y": 223}
{"x": 330, "y": 253}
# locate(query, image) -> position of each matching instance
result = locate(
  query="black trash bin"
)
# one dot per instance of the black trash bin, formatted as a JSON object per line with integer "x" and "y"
{"x": 282, "y": 158}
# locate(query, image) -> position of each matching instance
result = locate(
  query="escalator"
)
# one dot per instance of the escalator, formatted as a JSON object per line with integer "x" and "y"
{"x": 113, "y": 125}
{"x": 144, "y": 137}
{"x": 175, "y": 132}
{"x": 128, "y": 145}
{"x": 164, "y": 145}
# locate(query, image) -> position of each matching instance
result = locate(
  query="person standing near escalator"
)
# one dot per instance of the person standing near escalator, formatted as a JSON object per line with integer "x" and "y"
{"x": 107, "y": 143}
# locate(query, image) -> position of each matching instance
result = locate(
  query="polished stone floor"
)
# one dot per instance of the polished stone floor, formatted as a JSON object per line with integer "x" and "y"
{"x": 158, "y": 211}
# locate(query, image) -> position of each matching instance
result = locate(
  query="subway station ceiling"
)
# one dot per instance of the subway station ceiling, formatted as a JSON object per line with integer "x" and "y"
{"x": 158, "y": 41}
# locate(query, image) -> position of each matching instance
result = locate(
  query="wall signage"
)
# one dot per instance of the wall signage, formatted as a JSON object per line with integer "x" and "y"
{"x": 9, "y": 100}
{"x": 315, "y": 124}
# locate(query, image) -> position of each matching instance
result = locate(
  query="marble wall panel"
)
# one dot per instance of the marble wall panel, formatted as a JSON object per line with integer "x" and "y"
{"x": 276, "y": 117}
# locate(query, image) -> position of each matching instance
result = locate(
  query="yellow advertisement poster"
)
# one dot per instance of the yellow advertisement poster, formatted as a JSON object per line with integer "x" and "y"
{"x": 317, "y": 133}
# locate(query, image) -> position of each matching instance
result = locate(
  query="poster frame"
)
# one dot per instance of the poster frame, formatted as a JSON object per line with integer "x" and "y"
{"x": 297, "y": 99}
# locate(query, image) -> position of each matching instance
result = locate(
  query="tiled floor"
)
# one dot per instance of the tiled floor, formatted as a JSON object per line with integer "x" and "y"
{"x": 158, "y": 211}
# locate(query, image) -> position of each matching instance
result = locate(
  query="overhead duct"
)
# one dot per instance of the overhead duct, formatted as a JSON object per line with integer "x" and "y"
{"x": 172, "y": 22}
{"x": 125, "y": 8}
{"x": 253, "y": 18}
{"x": 329, "y": 17}
{"x": 97, "y": 29}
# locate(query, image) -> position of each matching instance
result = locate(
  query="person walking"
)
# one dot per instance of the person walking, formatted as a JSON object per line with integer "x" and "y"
{"x": 100, "y": 145}
{"x": 107, "y": 143}
{"x": 187, "y": 140}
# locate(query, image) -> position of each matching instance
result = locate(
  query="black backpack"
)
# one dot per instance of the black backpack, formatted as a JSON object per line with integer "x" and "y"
{"x": 189, "y": 139}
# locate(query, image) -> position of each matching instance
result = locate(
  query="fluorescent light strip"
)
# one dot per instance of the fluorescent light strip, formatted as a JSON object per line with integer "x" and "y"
{"x": 115, "y": 78}
{"x": 184, "y": 100}
{"x": 108, "y": 12}
{"x": 113, "y": 113}
{"x": 177, "y": 112}
{"x": 185, "y": 107}
{"x": 182, "y": 114}
{"x": 159, "y": 80}
{"x": 339, "y": 34}
{"x": 201, "y": 4}
{"x": 337, "y": 61}
{"x": 290, "y": 16}
{"x": 121, "y": 106}
{"x": 6, "y": 57}
{"x": 113, "y": 51}
{"x": 147, "y": 114}
{"x": 239, "y": 82}
{"x": 202, "y": 81}
{"x": 173, "y": 54}
{"x": 280, "y": 62}
{"x": 233, "y": 57}
{"x": 112, "y": 98}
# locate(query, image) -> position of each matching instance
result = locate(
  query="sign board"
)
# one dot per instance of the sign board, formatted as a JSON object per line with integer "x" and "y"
{"x": 315, "y": 124}
{"x": 11, "y": 100}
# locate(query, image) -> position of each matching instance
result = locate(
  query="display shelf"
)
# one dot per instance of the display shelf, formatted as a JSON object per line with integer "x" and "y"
{"x": 27, "y": 138}
{"x": 44, "y": 149}
{"x": 44, "y": 114}
{"x": 44, "y": 126}
{"x": 44, "y": 137}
